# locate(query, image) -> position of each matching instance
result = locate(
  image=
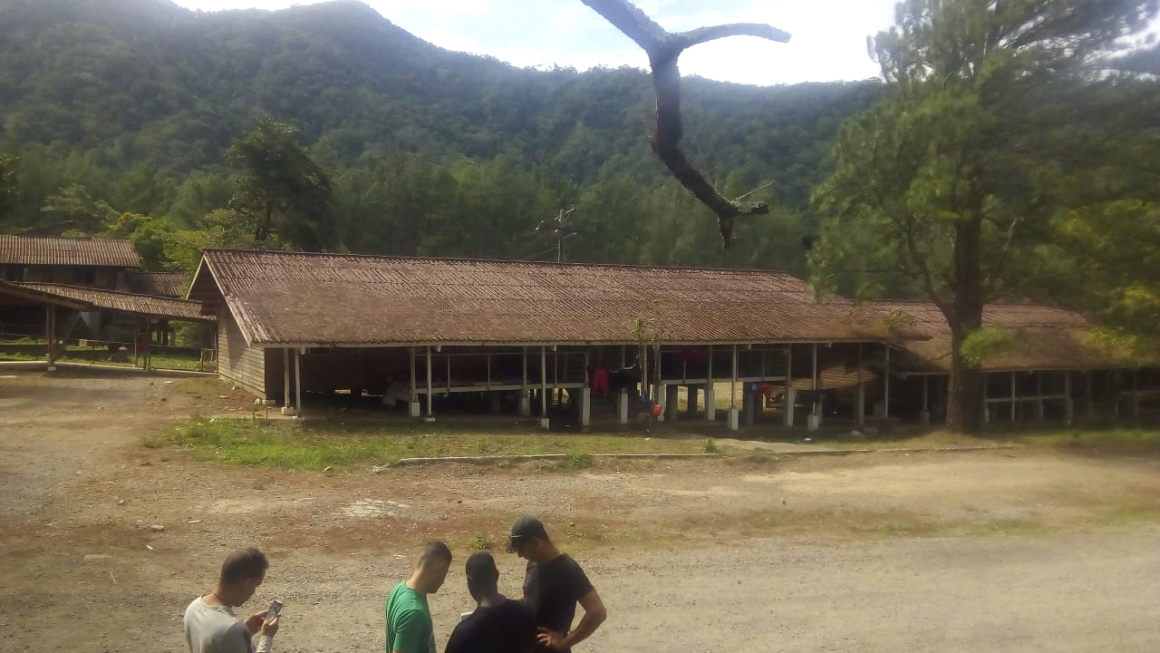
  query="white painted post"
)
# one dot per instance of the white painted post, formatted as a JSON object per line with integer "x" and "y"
{"x": 622, "y": 405}
{"x": 298, "y": 381}
{"x": 286, "y": 381}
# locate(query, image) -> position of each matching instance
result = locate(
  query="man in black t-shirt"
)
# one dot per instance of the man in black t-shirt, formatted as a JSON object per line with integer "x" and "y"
{"x": 498, "y": 625}
{"x": 554, "y": 584}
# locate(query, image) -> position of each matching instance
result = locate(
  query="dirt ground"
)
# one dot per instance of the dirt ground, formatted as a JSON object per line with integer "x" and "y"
{"x": 1013, "y": 550}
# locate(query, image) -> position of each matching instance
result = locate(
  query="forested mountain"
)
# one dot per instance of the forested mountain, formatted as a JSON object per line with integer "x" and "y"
{"x": 115, "y": 106}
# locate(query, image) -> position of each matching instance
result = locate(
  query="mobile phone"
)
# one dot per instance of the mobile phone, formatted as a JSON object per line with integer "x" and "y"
{"x": 275, "y": 608}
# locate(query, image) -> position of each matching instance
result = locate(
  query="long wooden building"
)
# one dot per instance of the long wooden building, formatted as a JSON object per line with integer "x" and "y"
{"x": 420, "y": 330}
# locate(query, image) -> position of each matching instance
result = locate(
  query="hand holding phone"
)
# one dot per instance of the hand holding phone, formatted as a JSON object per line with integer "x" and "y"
{"x": 275, "y": 609}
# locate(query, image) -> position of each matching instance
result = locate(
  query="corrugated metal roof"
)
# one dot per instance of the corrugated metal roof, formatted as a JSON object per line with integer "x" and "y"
{"x": 15, "y": 294}
{"x": 299, "y": 298}
{"x": 44, "y": 250}
{"x": 177, "y": 309}
{"x": 1054, "y": 338}
{"x": 158, "y": 284}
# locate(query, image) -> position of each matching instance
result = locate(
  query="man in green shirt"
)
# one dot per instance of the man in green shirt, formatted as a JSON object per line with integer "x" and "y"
{"x": 409, "y": 628}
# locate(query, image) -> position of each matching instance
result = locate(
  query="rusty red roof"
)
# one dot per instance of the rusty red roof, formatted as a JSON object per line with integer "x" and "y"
{"x": 176, "y": 309}
{"x": 1052, "y": 338}
{"x": 289, "y": 298}
{"x": 45, "y": 250}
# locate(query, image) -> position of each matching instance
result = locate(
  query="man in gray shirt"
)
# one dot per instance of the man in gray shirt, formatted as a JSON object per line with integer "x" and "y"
{"x": 210, "y": 623}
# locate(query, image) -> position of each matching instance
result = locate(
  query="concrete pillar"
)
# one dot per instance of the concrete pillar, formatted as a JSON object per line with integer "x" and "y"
{"x": 710, "y": 401}
{"x": 672, "y": 397}
{"x": 734, "y": 417}
{"x": 585, "y": 406}
{"x": 525, "y": 404}
{"x": 622, "y": 405}
{"x": 691, "y": 392}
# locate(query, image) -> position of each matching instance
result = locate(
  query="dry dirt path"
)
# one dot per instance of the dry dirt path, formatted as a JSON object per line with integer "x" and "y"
{"x": 1004, "y": 550}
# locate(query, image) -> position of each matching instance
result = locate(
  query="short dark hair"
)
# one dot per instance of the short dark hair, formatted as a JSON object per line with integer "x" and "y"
{"x": 482, "y": 576}
{"x": 244, "y": 564}
{"x": 435, "y": 551}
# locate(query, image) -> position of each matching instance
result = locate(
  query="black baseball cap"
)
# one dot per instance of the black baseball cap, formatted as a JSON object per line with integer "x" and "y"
{"x": 481, "y": 568}
{"x": 525, "y": 529}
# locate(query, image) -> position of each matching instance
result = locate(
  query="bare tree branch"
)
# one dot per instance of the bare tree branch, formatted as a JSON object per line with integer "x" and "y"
{"x": 705, "y": 34}
{"x": 663, "y": 49}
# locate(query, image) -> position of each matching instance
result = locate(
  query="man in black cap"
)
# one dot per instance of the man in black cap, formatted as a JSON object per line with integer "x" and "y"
{"x": 554, "y": 584}
{"x": 498, "y": 625}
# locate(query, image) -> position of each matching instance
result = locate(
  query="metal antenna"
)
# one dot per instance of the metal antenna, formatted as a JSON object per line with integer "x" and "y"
{"x": 559, "y": 228}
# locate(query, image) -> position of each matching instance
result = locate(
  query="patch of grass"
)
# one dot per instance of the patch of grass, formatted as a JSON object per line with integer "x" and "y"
{"x": 480, "y": 543}
{"x": 315, "y": 446}
{"x": 710, "y": 446}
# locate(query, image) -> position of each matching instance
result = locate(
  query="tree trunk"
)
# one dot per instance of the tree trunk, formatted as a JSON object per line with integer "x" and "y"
{"x": 964, "y": 399}
{"x": 965, "y": 316}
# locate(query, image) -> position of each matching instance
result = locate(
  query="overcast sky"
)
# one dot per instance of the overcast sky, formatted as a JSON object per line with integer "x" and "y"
{"x": 829, "y": 36}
